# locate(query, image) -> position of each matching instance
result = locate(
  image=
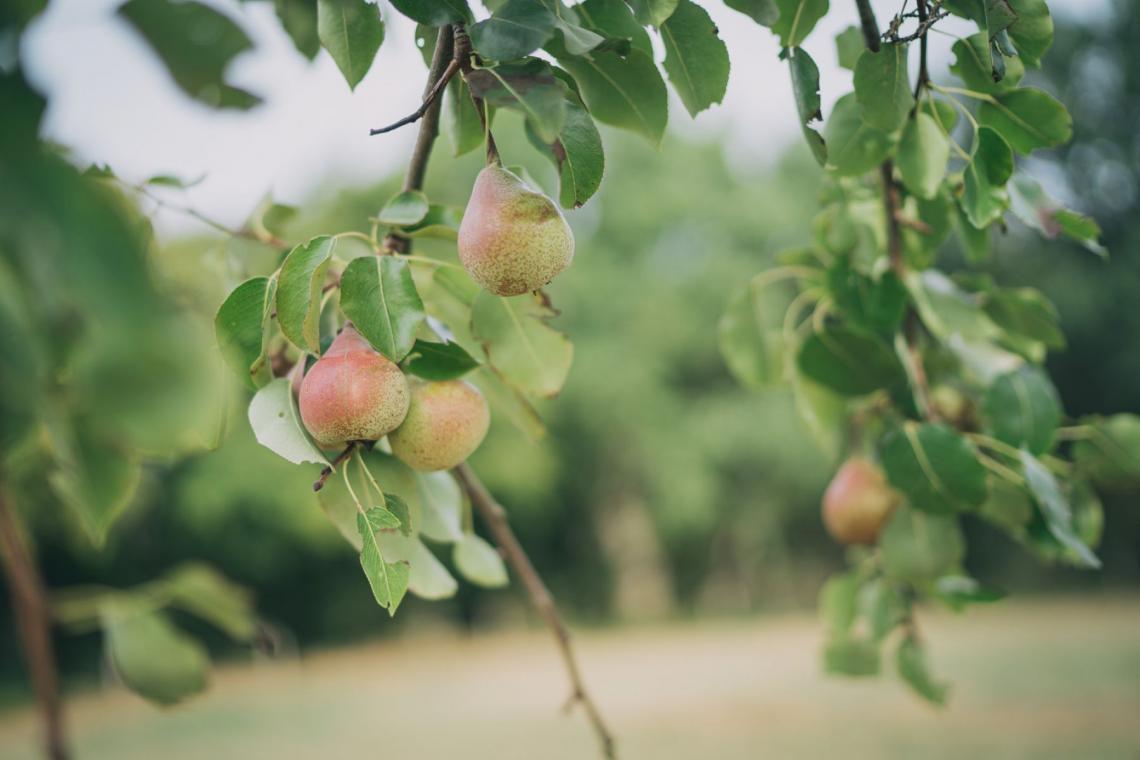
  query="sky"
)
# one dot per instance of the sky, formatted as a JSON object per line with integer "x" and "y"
{"x": 112, "y": 102}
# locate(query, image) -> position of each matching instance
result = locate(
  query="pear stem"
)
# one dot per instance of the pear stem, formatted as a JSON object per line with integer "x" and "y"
{"x": 495, "y": 518}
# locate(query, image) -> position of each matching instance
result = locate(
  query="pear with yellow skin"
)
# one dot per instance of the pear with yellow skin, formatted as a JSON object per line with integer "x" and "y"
{"x": 512, "y": 239}
{"x": 858, "y": 502}
{"x": 446, "y": 422}
{"x": 352, "y": 393}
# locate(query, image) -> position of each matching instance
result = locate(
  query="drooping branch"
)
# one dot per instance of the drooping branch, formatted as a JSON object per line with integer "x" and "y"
{"x": 495, "y": 518}
{"x": 429, "y": 99}
{"x": 29, "y": 604}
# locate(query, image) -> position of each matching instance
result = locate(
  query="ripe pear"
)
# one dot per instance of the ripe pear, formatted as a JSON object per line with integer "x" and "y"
{"x": 352, "y": 393}
{"x": 512, "y": 239}
{"x": 446, "y": 422}
{"x": 858, "y": 502}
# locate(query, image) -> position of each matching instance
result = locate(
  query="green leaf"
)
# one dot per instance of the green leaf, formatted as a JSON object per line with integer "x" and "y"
{"x": 696, "y": 59}
{"x": 958, "y": 591}
{"x": 623, "y": 92}
{"x": 1022, "y": 409}
{"x": 405, "y": 209}
{"x": 973, "y": 66}
{"x": 849, "y": 45}
{"x": 389, "y": 580}
{"x": 352, "y": 31}
{"x": 441, "y": 223}
{"x": 517, "y": 28}
{"x": 299, "y": 292}
{"x": 849, "y": 361}
{"x": 615, "y": 19}
{"x": 882, "y": 87}
{"x": 196, "y": 44}
{"x": 1028, "y": 119}
{"x": 947, "y": 310}
{"x": 991, "y": 163}
{"x": 1055, "y": 509}
{"x": 911, "y": 663}
{"x": 522, "y": 348}
{"x": 435, "y": 12}
{"x": 924, "y": 151}
{"x": 1111, "y": 453}
{"x": 838, "y": 603}
{"x": 652, "y": 12}
{"x": 853, "y": 146}
{"x": 763, "y": 12}
{"x": 528, "y": 87}
{"x": 851, "y": 657}
{"x": 577, "y": 39}
{"x": 154, "y": 659}
{"x": 882, "y": 606}
{"x": 805, "y": 85}
{"x": 206, "y": 593}
{"x": 919, "y": 547}
{"x": 796, "y": 20}
{"x": 1032, "y": 32}
{"x": 1032, "y": 205}
{"x": 378, "y": 295}
{"x": 242, "y": 329}
{"x": 379, "y": 518}
{"x": 427, "y": 577}
{"x": 1025, "y": 315}
{"x": 877, "y": 304}
{"x": 750, "y": 331}
{"x": 401, "y": 515}
{"x": 464, "y": 128}
{"x": 937, "y": 469}
{"x": 299, "y": 20}
{"x": 577, "y": 154}
{"x": 277, "y": 426}
{"x": 479, "y": 562}
{"x": 439, "y": 361}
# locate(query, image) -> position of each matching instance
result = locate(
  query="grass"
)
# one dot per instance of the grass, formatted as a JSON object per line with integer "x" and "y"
{"x": 1041, "y": 679}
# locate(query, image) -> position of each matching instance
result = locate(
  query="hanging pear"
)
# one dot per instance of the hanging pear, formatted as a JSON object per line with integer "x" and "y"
{"x": 512, "y": 239}
{"x": 352, "y": 393}
{"x": 858, "y": 502}
{"x": 446, "y": 422}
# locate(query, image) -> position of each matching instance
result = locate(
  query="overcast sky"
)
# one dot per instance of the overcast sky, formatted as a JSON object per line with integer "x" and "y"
{"x": 111, "y": 101}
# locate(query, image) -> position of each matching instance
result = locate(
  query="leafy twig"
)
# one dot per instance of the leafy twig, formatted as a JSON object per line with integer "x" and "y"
{"x": 340, "y": 458}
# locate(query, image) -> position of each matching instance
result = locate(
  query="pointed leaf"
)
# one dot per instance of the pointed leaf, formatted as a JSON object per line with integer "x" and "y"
{"x": 377, "y": 293}
{"x": 277, "y": 425}
{"x": 805, "y": 85}
{"x": 1055, "y": 509}
{"x": 352, "y": 31}
{"x": 1028, "y": 119}
{"x": 937, "y": 469}
{"x": 924, "y": 151}
{"x": 796, "y": 20}
{"x": 521, "y": 347}
{"x": 1022, "y": 409}
{"x": 695, "y": 57}
{"x": 299, "y": 292}
{"x": 389, "y": 580}
{"x": 577, "y": 153}
{"x": 242, "y": 326}
{"x": 479, "y": 562}
{"x": 882, "y": 87}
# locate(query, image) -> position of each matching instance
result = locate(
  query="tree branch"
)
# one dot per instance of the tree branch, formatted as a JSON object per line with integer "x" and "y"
{"x": 869, "y": 25}
{"x": 327, "y": 471}
{"x": 495, "y": 517}
{"x": 29, "y": 603}
{"x": 429, "y": 99}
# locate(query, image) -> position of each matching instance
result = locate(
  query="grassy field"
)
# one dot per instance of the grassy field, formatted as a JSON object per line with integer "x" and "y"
{"x": 1031, "y": 680}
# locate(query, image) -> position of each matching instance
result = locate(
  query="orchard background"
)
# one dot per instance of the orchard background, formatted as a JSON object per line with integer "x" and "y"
{"x": 664, "y": 483}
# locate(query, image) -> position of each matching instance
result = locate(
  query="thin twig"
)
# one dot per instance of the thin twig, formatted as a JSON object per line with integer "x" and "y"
{"x": 429, "y": 99}
{"x": 29, "y": 603}
{"x": 495, "y": 517}
{"x": 869, "y": 25}
{"x": 340, "y": 458}
{"x": 268, "y": 238}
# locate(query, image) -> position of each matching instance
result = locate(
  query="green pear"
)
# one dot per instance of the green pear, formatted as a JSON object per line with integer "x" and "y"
{"x": 352, "y": 393}
{"x": 512, "y": 239}
{"x": 446, "y": 422}
{"x": 858, "y": 502}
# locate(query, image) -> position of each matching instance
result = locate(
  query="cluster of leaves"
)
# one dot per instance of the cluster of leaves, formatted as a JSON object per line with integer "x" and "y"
{"x": 938, "y": 377}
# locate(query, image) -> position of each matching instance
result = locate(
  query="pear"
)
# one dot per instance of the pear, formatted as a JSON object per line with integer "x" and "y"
{"x": 352, "y": 393}
{"x": 858, "y": 502}
{"x": 446, "y": 422}
{"x": 512, "y": 239}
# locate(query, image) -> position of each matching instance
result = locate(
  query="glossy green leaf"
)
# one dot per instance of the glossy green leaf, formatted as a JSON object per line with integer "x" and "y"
{"x": 389, "y": 580}
{"x": 805, "y": 85}
{"x": 934, "y": 467}
{"x": 299, "y": 288}
{"x": 1055, "y": 509}
{"x": 461, "y": 121}
{"x": 696, "y": 59}
{"x": 241, "y": 327}
{"x": 924, "y": 151}
{"x": 439, "y": 361}
{"x": 479, "y": 562}
{"x": 910, "y": 659}
{"x": 973, "y": 66}
{"x": 427, "y": 576}
{"x": 919, "y": 547}
{"x": 763, "y": 12}
{"x": 352, "y": 31}
{"x": 882, "y": 87}
{"x": 1032, "y": 32}
{"x": 853, "y": 146}
{"x": 522, "y": 348}
{"x": 299, "y": 20}
{"x": 623, "y": 92}
{"x": 653, "y": 12}
{"x": 277, "y": 425}
{"x": 849, "y": 361}
{"x": 441, "y": 223}
{"x": 528, "y": 87}
{"x": 196, "y": 44}
{"x": 404, "y": 209}
{"x": 984, "y": 198}
{"x": 378, "y": 295}
{"x": 615, "y": 19}
{"x": 516, "y": 28}
{"x": 577, "y": 154}
{"x": 796, "y": 20}
{"x": 1028, "y": 119}
{"x": 155, "y": 659}
{"x": 435, "y": 12}
{"x": 874, "y": 303}
{"x": 1022, "y": 409}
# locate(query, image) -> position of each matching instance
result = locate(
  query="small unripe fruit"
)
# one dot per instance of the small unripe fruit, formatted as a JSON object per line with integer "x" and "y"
{"x": 512, "y": 240}
{"x": 446, "y": 422}
{"x": 352, "y": 393}
{"x": 858, "y": 502}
